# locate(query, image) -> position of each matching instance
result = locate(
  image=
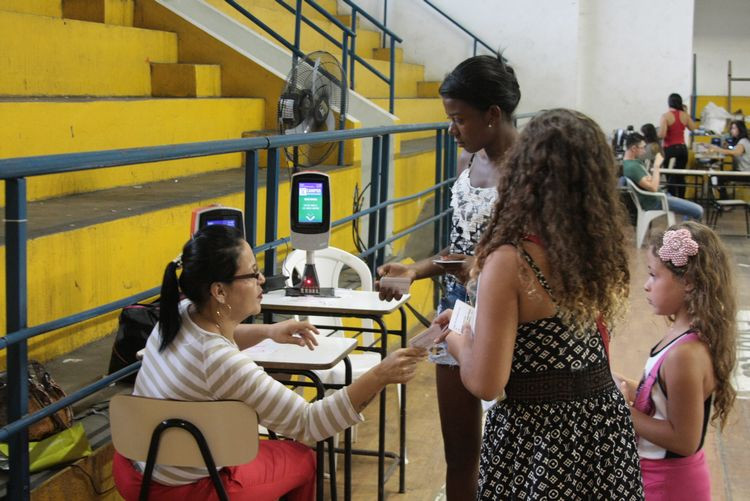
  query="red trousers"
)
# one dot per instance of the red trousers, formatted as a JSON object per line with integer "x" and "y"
{"x": 281, "y": 468}
{"x": 676, "y": 479}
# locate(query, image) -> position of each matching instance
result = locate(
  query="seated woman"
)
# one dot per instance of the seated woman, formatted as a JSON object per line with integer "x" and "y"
{"x": 195, "y": 353}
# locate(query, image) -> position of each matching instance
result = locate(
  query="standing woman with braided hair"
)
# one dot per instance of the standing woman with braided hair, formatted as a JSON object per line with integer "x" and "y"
{"x": 551, "y": 265}
{"x": 479, "y": 96}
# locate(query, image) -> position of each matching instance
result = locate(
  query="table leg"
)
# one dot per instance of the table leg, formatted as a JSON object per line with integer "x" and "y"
{"x": 347, "y": 440}
{"x": 402, "y": 424}
{"x": 381, "y": 424}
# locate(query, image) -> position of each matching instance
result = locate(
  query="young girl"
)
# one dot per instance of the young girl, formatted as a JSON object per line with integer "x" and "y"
{"x": 551, "y": 263}
{"x": 690, "y": 281}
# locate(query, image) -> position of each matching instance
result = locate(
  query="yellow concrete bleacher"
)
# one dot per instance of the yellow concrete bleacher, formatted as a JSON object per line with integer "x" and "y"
{"x": 83, "y": 75}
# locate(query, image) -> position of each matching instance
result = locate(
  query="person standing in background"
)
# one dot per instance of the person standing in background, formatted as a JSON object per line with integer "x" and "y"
{"x": 672, "y": 130}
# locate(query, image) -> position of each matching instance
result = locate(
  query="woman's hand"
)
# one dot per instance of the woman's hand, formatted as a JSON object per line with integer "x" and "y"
{"x": 400, "y": 366}
{"x": 443, "y": 319}
{"x": 393, "y": 270}
{"x": 627, "y": 387}
{"x": 294, "y": 332}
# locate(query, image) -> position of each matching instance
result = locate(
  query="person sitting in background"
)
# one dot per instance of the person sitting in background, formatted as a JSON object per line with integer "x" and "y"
{"x": 195, "y": 354}
{"x": 634, "y": 169}
{"x": 653, "y": 145}
{"x": 741, "y": 151}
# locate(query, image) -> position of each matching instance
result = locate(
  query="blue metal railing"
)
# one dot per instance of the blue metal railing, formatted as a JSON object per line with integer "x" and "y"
{"x": 476, "y": 39}
{"x": 348, "y": 44}
{"x": 15, "y": 171}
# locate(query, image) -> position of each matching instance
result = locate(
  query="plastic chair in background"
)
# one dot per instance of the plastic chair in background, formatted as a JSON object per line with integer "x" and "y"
{"x": 184, "y": 434}
{"x": 645, "y": 217}
{"x": 720, "y": 206}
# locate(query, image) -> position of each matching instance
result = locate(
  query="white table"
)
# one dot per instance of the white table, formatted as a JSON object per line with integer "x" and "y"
{"x": 356, "y": 304}
{"x": 295, "y": 359}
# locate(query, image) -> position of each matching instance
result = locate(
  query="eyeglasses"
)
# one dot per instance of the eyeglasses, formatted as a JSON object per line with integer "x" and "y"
{"x": 255, "y": 275}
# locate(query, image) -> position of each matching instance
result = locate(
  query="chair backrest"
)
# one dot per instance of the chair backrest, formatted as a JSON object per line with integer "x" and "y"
{"x": 329, "y": 263}
{"x": 229, "y": 427}
{"x": 635, "y": 191}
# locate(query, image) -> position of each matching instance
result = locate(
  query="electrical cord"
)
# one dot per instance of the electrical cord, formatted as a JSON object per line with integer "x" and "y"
{"x": 356, "y": 207}
{"x": 91, "y": 481}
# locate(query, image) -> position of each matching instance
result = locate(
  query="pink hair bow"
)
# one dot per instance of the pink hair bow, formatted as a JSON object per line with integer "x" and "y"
{"x": 677, "y": 246}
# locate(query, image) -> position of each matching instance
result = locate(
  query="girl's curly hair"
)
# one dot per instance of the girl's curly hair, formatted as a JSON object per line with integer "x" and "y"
{"x": 712, "y": 307}
{"x": 559, "y": 183}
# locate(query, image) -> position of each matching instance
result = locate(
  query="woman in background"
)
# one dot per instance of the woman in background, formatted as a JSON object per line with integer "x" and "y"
{"x": 653, "y": 145}
{"x": 672, "y": 130}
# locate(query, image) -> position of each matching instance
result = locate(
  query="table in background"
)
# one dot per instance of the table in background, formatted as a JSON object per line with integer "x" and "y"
{"x": 705, "y": 179}
{"x": 294, "y": 359}
{"x": 364, "y": 305}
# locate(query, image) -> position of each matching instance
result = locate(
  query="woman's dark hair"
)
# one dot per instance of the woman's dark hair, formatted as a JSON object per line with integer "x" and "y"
{"x": 741, "y": 127}
{"x": 483, "y": 81}
{"x": 649, "y": 133}
{"x": 675, "y": 101}
{"x": 210, "y": 256}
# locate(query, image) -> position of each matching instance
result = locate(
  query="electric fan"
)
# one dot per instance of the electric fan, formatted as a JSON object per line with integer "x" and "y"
{"x": 314, "y": 92}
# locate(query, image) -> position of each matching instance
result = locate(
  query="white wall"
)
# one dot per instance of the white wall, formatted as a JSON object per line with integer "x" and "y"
{"x": 721, "y": 33}
{"x": 629, "y": 62}
{"x": 616, "y": 61}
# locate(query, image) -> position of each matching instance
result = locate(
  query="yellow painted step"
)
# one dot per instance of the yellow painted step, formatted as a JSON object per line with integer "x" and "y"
{"x": 119, "y": 12}
{"x": 49, "y": 127}
{"x": 282, "y": 22}
{"x": 415, "y": 111}
{"x": 370, "y": 86}
{"x": 78, "y": 58}
{"x": 185, "y": 80}
{"x": 382, "y": 54}
{"x": 428, "y": 89}
{"x": 51, "y": 8}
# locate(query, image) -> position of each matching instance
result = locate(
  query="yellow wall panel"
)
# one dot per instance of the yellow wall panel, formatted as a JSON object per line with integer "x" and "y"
{"x": 52, "y": 8}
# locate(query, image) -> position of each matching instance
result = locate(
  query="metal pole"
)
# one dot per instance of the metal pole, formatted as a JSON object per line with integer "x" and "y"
{"x": 385, "y": 20}
{"x": 729, "y": 87}
{"x": 372, "y": 230}
{"x": 475, "y": 46}
{"x": 383, "y": 216}
{"x": 393, "y": 76}
{"x": 353, "y": 60}
{"x": 16, "y": 307}
{"x": 694, "y": 98}
{"x": 437, "y": 238}
{"x": 272, "y": 208}
{"x": 297, "y": 30}
{"x": 342, "y": 85}
{"x": 251, "y": 197}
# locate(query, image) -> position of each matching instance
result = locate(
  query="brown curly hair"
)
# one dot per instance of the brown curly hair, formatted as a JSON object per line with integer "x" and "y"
{"x": 558, "y": 181}
{"x": 712, "y": 307}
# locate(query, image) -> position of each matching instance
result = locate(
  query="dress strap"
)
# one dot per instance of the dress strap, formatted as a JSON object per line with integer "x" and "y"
{"x": 537, "y": 272}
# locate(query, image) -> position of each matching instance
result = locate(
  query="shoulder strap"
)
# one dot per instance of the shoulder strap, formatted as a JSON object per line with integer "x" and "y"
{"x": 537, "y": 272}
{"x": 643, "y": 401}
{"x": 471, "y": 161}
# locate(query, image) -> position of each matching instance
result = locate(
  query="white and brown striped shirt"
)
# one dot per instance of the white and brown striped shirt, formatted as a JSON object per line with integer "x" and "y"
{"x": 199, "y": 365}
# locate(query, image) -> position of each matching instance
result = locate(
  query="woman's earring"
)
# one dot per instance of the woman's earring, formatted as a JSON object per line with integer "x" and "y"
{"x": 489, "y": 125}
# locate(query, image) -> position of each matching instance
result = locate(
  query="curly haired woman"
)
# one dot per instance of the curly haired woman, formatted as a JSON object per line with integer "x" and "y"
{"x": 551, "y": 263}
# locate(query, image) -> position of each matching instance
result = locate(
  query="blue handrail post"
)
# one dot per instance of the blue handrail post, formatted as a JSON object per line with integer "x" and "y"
{"x": 251, "y": 197}
{"x": 385, "y": 20}
{"x": 297, "y": 31}
{"x": 272, "y": 208}
{"x": 16, "y": 307}
{"x": 342, "y": 111}
{"x": 372, "y": 229}
{"x": 393, "y": 76}
{"x": 437, "y": 197}
{"x": 353, "y": 49}
{"x": 448, "y": 159}
{"x": 475, "y": 47}
{"x": 383, "y": 216}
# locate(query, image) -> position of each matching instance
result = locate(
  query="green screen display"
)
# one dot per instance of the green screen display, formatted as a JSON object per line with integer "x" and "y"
{"x": 310, "y": 203}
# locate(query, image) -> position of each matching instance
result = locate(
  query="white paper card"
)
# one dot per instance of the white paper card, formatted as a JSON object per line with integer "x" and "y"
{"x": 463, "y": 313}
{"x": 401, "y": 284}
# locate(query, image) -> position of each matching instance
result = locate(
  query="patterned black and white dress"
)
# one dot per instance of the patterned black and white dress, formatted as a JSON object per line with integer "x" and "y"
{"x": 564, "y": 431}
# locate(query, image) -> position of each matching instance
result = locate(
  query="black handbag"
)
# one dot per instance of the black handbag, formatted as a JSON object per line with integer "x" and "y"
{"x": 135, "y": 325}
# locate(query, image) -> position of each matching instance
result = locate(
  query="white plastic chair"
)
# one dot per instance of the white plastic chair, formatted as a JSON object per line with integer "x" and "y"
{"x": 646, "y": 216}
{"x": 329, "y": 263}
